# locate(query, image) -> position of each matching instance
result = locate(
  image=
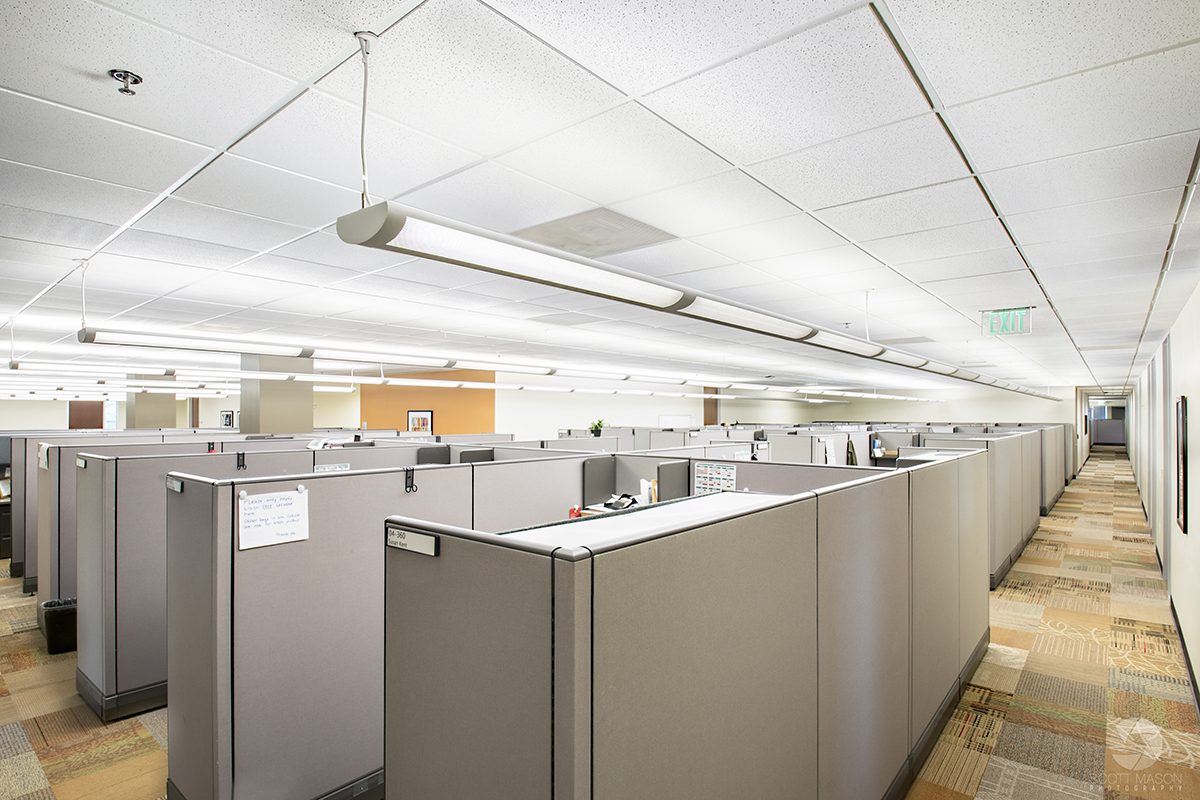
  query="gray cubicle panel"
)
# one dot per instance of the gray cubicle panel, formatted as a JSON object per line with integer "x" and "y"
{"x": 379, "y": 456}
{"x": 1013, "y": 477}
{"x": 662, "y": 440}
{"x": 50, "y": 545}
{"x": 475, "y": 438}
{"x": 809, "y": 447}
{"x": 1054, "y": 467}
{"x": 520, "y": 668}
{"x": 594, "y": 444}
{"x": 518, "y": 494}
{"x": 297, "y": 628}
{"x": 122, "y": 569}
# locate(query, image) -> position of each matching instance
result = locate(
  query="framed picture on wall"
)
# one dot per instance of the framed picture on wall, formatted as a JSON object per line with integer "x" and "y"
{"x": 226, "y": 419}
{"x": 1181, "y": 464}
{"x": 420, "y": 422}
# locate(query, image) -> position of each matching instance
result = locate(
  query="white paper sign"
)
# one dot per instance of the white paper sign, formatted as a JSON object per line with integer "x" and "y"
{"x": 330, "y": 467}
{"x": 265, "y": 519}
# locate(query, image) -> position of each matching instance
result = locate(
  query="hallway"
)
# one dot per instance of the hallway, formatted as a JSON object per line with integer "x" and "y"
{"x": 1084, "y": 692}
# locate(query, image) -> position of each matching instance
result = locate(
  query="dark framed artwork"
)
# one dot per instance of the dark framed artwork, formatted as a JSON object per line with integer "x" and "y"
{"x": 226, "y": 419}
{"x": 420, "y": 421}
{"x": 1181, "y": 464}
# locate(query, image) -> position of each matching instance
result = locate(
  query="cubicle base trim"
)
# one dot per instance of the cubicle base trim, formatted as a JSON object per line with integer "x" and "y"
{"x": 173, "y": 793}
{"x": 16, "y": 569}
{"x": 367, "y": 788}
{"x": 902, "y": 782}
{"x": 1187, "y": 660}
{"x": 29, "y": 585}
{"x": 125, "y": 704}
{"x": 976, "y": 657}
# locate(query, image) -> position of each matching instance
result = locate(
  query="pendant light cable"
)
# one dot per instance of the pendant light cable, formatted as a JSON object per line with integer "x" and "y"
{"x": 83, "y": 265}
{"x": 365, "y": 38}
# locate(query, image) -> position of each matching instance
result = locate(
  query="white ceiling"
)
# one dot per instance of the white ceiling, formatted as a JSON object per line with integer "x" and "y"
{"x": 890, "y": 168}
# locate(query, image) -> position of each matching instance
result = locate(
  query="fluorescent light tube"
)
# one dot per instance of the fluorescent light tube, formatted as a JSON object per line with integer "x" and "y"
{"x": 386, "y": 226}
{"x": 341, "y": 389}
{"x": 603, "y": 376}
{"x": 845, "y": 344}
{"x": 378, "y": 358}
{"x": 984, "y": 379}
{"x": 941, "y": 369}
{"x": 716, "y": 311}
{"x": 903, "y": 359}
{"x": 183, "y": 342}
{"x": 491, "y": 367}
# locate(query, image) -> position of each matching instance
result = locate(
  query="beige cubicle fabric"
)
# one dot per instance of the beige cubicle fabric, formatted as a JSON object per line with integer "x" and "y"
{"x": 1084, "y": 692}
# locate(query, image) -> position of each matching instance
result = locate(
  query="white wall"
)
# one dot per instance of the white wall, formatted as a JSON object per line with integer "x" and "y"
{"x": 211, "y": 408}
{"x": 1183, "y": 560}
{"x": 769, "y": 411}
{"x": 31, "y": 415}
{"x": 964, "y": 403}
{"x": 336, "y": 409}
{"x": 529, "y": 414}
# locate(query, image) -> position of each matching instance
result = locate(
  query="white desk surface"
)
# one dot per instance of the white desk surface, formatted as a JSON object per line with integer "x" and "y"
{"x": 650, "y": 520}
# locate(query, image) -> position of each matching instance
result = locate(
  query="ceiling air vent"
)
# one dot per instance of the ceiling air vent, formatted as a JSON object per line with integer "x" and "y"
{"x": 595, "y": 233}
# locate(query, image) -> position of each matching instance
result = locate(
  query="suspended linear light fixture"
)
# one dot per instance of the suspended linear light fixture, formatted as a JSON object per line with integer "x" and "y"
{"x": 183, "y": 342}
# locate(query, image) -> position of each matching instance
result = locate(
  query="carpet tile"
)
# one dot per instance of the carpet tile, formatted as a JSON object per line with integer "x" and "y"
{"x": 52, "y": 747}
{"x": 1084, "y": 691}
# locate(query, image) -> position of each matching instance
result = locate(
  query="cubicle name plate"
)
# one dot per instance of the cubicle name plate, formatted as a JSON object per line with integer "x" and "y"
{"x": 266, "y": 519}
{"x": 423, "y": 543}
{"x": 81, "y": 462}
{"x": 175, "y": 485}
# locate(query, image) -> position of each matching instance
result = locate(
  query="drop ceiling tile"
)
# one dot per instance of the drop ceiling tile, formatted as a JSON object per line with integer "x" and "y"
{"x": 245, "y": 289}
{"x": 495, "y": 197}
{"x": 718, "y": 279}
{"x": 55, "y": 229}
{"x": 382, "y": 286}
{"x": 174, "y": 250}
{"x": 463, "y": 73}
{"x": 188, "y": 220}
{"x": 799, "y": 233}
{"x": 908, "y": 212}
{"x": 802, "y": 266}
{"x": 514, "y": 290}
{"x": 849, "y": 168}
{"x": 293, "y": 271}
{"x": 1147, "y": 241}
{"x": 293, "y": 38}
{"x": 1010, "y": 45}
{"x": 678, "y": 255}
{"x": 625, "y": 44}
{"x": 1128, "y": 267}
{"x": 858, "y": 281}
{"x": 257, "y": 319}
{"x": 179, "y": 96}
{"x": 435, "y": 273}
{"x": 111, "y": 271}
{"x": 986, "y": 263}
{"x": 1101, "y": 174}
{"x": 187, "y": 309}
{"x": 845, "y": 75}
{"x": 729, "y": 200}
{"x": 622, "y": 153}
{"x": 325, "y": 247}
{"x": 238, "y": 184}
{"x": 1141, "y": 99}
{"x": 1101, "y": 217}
{"x": 322, "y": 302}
{"x": 56, "y": 192}
{"x": 318, "y": 135}
{"x": 974, "y": 237}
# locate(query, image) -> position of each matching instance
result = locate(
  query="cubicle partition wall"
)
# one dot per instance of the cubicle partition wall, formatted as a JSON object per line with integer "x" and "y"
{"x": 1056, "y": 458}
{"x": 620, "y": 656}
{"x": 1014, "y": 482}
{"x": 809, "y": 447}
{"x": 122, "y": 575}
{"x": 475, "y": 438}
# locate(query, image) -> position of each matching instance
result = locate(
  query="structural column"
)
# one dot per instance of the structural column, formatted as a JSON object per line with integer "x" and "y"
{"x": 146, "y": 410}
{"x": 276, "y": 406}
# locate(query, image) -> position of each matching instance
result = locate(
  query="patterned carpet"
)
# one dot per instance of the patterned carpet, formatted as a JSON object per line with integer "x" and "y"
{"x": 1084, "y": 692}
{"x": 52, "y": 747}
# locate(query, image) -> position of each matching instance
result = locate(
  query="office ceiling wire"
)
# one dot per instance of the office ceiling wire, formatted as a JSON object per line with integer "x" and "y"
{"x": 83, "y": 265}
{"x": 365, "y": 38}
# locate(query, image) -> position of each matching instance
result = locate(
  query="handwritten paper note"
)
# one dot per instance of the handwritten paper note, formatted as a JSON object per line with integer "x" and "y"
{"x": 266, "y": 519}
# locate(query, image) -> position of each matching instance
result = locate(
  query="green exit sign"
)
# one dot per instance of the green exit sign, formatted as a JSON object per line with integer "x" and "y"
{"x": 1008, "y": 321}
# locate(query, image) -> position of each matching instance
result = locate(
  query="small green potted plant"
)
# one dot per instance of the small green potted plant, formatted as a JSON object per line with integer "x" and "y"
{"x": 596, "y": 426}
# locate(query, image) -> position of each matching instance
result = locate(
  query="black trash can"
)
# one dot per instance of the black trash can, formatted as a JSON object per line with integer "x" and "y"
{"x": 59, "y": 616}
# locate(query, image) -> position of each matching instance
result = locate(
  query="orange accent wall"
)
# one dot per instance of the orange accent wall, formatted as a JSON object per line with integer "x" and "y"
{"x": 454, "y": 410}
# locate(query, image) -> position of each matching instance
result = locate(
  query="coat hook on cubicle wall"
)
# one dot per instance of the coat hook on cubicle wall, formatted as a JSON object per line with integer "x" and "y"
{"x": 410, "y": 484}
